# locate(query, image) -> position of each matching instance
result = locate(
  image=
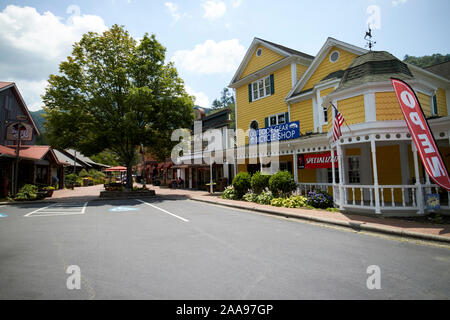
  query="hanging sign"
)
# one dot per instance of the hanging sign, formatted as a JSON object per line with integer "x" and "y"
{"x": 280, "y": 132}
{"x": 316, "y": 160}
{"x": 421, "y": 133}
{"x": 26, "y": 131}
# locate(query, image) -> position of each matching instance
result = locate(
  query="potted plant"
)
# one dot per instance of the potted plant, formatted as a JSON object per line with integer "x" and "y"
{"x": 49, "y": 190}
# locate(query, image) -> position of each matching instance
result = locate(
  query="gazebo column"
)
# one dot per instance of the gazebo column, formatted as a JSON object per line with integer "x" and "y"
{"x": 419, "y": 194}
{"x": 375, "y": 175}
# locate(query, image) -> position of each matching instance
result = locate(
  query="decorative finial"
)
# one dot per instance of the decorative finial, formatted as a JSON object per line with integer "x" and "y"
{"x": 368, "y": 38}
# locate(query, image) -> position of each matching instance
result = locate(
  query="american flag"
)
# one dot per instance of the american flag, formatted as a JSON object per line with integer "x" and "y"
{"x": 338, "y": 122}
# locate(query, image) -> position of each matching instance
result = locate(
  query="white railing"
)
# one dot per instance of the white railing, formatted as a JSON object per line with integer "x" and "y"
{"x": 390, "y": 197}
{"x": 397, "y": 197}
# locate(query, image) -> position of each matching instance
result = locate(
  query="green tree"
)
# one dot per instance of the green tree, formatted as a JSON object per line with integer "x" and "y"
{"x": 426, "y": 61}
{"x": 116, "y": 93}
{"x": 107, "y": 157}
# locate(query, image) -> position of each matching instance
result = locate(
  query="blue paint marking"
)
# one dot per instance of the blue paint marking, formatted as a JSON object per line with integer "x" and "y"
{"x": 3, "y": 215}
{"x": 121, "y": 209}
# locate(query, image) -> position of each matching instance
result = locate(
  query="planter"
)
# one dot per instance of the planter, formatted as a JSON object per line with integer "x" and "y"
{"x": 127, "y": 194}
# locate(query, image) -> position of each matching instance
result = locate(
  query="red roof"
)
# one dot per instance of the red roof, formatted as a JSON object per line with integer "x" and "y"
{"x": 29, "y": 152}
{"x": 5, "y": 84}
{"x": 118, "y": 168}
{"x": 7, "y": 151}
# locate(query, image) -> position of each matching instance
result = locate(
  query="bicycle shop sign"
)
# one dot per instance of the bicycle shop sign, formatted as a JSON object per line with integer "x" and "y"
{"x": 280, "y": 132}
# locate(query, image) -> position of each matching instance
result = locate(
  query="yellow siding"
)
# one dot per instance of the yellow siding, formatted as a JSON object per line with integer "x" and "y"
{"x": 326, "y": 67}
{"x": 353, "y": 152}
{"x": 326, "y": 92}
{"x": 307, "y": 175}
{"x": 300, "y": 71}
{"x": 260, "y": 109}
{"x": 387, "y": 106}
{"x": 242, "y": 168}
{"x": 389, "y": 171}
{"x": 425, "y": 102}
{"x": 441, "y": 102}
{"x": 256, "y": 63}
{"x": 303, "y": 111}
{"x": 352, "y": 109}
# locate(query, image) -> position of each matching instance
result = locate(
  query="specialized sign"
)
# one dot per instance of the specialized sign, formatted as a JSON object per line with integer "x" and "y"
{"x": 316, "y": 160}
{"x": 26, "y": 131}
{"x": 279, "y": 132}
{"x": 421, "y": 133}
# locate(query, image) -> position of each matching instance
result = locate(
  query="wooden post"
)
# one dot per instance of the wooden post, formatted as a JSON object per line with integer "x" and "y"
{"x": 375, "y": 175}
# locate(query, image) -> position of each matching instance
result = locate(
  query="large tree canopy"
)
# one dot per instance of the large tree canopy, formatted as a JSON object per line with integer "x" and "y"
{"x": 116, "y": 93}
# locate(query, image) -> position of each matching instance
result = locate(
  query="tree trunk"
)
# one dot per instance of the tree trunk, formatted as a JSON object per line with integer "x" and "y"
{"x": 129, "y": 184}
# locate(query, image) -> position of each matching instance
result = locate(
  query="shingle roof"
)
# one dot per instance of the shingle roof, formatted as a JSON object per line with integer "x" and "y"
{"x": 441, "y": 69}
{"x": 288, "y": 50}
{"x": 373, "y": 66}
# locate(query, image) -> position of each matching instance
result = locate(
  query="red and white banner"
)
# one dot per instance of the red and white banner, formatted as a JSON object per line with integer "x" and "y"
{"x": 421, "y": 133}
{"x": 316, "y": 160}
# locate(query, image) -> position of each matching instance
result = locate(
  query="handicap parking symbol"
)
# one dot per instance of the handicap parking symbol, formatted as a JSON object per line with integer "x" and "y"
{"x": 3, "y": 215}
{"x": 122, "y": 209}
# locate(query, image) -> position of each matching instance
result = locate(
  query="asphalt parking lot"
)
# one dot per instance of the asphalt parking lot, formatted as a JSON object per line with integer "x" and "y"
{"x": 181, "y": 249}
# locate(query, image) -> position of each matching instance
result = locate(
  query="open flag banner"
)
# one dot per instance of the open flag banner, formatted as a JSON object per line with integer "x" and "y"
{"x": 421, "y": 133}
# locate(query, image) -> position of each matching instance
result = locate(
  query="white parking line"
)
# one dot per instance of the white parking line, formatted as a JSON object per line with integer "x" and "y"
{"x": 52, "y": 210}
{"x": 165, "y": 211}
{"x": 29, "y": 214}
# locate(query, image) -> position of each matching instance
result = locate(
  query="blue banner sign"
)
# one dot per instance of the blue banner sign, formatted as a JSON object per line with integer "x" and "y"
{"x": 280, "y": 132}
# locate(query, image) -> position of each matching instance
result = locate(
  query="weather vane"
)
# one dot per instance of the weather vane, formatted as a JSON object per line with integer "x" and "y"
{"x": 368, "y": 38}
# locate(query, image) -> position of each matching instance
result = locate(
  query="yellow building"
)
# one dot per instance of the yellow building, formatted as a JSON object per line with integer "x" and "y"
{"x": 377, "y": 165}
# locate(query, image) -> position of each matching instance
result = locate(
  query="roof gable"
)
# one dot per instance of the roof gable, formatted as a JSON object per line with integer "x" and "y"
{"x": 310, "y": 77}
{"x": 277, "y": 52}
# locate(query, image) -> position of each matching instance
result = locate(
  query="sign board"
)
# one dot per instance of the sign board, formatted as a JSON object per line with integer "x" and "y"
{"x": 279, "y": 132}
{"x": 421, "y": 133}
{"x": 432, "y": 201}
{"x": 26, "y": 131}
{"x": 316, "y": 160}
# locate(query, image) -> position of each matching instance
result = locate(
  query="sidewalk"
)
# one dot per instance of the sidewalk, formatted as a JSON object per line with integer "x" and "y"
{"x": 398, "y": 227}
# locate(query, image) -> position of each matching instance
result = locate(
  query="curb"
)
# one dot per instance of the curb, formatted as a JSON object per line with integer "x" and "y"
{"x": 346, "y": 224}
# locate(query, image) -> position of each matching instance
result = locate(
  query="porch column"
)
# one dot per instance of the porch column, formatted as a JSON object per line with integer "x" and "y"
{"x": 332, "y": 171}
{"x": 295, "y": 164}
{"x": 373, "y": 148}
{"x": 190, "y": 177}
{"x": 419, "y": 194}
{"x": 341, "y": 174}
{"x": 211, "y": 187}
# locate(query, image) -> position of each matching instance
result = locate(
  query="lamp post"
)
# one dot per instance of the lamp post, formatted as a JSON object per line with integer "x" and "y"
{"x": 19, "y": 119}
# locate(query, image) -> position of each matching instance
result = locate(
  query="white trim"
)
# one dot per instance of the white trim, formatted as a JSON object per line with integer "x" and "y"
{"x": 235, "y": 110}
{"x": 370, "y": 110}
{"x": 264, "y": 88}
{"x": 447, "y": 98}
{"x": 315, "y": 119}
{"x": 293, "y": 74}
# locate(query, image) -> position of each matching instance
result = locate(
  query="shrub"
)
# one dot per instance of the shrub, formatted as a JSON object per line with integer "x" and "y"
{"x": 96, "y": 175}
{"x": 83, "y": 173}
{"x": 282, "y": 184}
{"x": 241, "y": 183}
{"x": 229, "y": 193}
{"x": 320, "y": 199}
{"x": 265, "y": 197}
{"x": 295, "y": 202}
{"x": 250, "y": 197}
{"x": 27, "y": 192}
{"x": 277, "y": 202}
{"x": 259, "y": 182}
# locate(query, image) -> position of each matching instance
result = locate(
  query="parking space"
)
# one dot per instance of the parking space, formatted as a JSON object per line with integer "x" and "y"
{"x": 59, "y": 209}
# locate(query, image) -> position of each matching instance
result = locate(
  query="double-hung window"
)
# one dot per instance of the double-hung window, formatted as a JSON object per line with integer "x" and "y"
{"x": 275, "y": 119}
{"x": 261, "y": 88}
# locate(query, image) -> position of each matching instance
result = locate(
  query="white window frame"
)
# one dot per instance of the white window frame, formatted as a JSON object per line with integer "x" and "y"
{"x": 277, "y": 115}
{"x": 258, "y": 88}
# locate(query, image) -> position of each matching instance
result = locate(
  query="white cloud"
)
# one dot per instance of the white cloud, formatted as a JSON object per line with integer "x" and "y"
{"x": 211, "y": 57}
{"x": 33, "y": 45}
{"x": 173, "y": 10}
{"x": 213, "y": 9}
{"x": 201, "y": 99}
{"x": 236, "y": 3}
{"x": 397, "y": 2}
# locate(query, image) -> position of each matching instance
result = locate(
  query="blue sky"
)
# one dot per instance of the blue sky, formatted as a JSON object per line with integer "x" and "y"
{"x": 208, "y": 38}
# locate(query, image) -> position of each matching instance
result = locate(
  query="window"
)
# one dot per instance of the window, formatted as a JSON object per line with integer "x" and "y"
{"x": 434, "y": 110}
{"x": 259, "y": 52}
{"x": 353, "y": 170}
{"x": 334, "y": 56}
{"x": 275, "y": 119}
{"x": 254, "y": 125}
{"x": 336, "y": 175}
{"x": 261, "y": 88}
{"x": 325, "y": 115}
